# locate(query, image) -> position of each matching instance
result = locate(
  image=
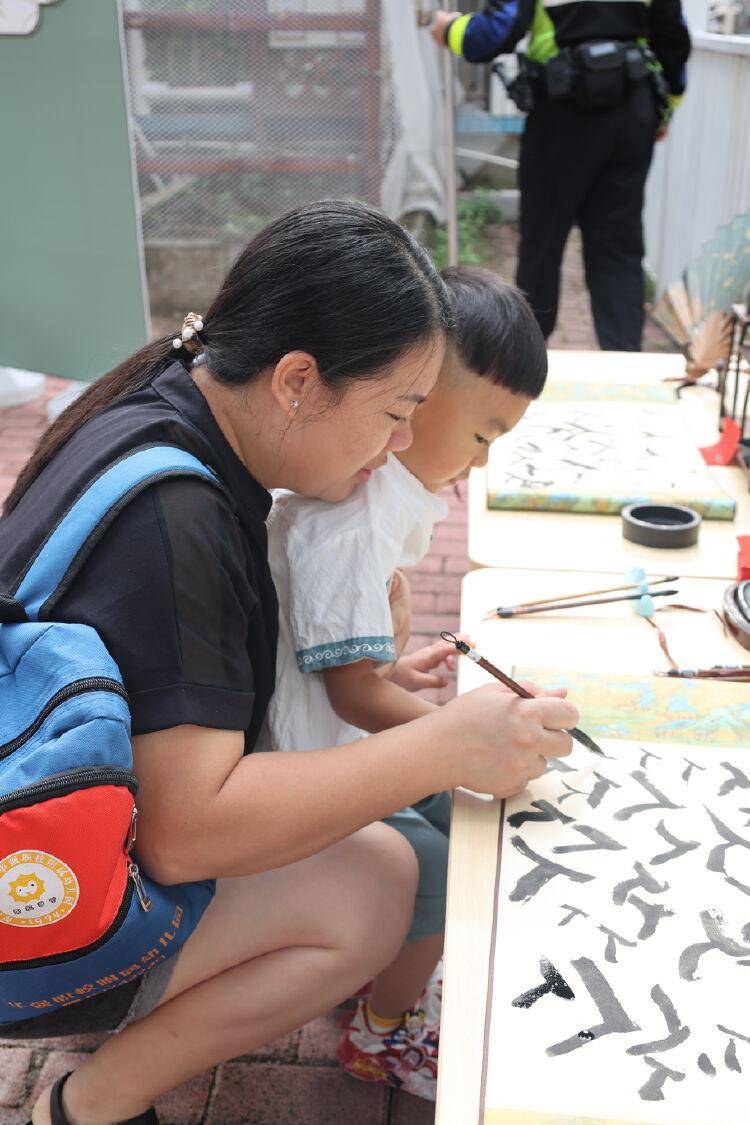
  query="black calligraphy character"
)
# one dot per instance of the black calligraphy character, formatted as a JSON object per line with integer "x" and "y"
{"x": 544, "y": 812}
{"x": 644, "y": 879}
{"x": 553, "y": 983}
{"x": 610, "y": 953}
{"x": 653, "y": 1090}
{"x": 680, "y": 847}
{"x": 730, "y": 1054}
{"x": 571, "y": 791}
{"x": 652, "y": 912}
{"x": 730, "y": 1057}
{"x": 713, "y": 924}
{"x": 600, "y": 841}
{"x": 690, "y": 767}
{"x": 662, "y": 800}
{"x": 678, "y": 1033}
{"x": 718, "y": 855}
{"x": 530, "y": 883}
{"x": 560, "y": 765}
{"x": 736, "y": 780}
{"x": 573, "y": 912}
{"x": 615, "y": 1020}
{"x": 705, "y": 1064}
{"x": 600, "y": 790}
{"x": 646, "y": 755}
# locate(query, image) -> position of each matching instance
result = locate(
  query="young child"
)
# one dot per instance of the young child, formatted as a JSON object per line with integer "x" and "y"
{"x": 338, "y": 675}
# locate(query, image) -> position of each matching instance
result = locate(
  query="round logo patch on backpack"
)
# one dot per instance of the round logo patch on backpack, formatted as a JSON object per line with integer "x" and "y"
{"x": 36, "y": 889}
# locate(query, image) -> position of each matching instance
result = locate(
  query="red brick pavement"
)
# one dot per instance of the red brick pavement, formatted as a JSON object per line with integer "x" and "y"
{"x": 294, "y": 1081}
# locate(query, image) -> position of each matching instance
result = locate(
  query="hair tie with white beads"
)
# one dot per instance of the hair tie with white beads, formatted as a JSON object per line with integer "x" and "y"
{"x": 188, "y": 338}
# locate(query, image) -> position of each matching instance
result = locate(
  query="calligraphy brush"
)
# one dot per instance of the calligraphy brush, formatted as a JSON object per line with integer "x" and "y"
{"x": 739, "y": 673}
{"x": 575, "y": 603}
{"x": 466, "y": 650}
{"x": 506, "y": 610}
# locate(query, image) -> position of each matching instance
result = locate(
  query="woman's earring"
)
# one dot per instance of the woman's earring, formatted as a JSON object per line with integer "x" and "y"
{"x": 294, "y": 403}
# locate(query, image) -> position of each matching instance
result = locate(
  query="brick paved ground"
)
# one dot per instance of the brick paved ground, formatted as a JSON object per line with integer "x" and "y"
{"x": 294, "y": 1081}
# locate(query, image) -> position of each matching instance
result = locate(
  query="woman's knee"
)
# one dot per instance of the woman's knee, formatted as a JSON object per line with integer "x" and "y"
{"x": 384, "y": 868}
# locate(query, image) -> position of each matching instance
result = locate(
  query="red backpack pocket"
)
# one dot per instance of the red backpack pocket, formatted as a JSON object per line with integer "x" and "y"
{"x": 64, "y": 864}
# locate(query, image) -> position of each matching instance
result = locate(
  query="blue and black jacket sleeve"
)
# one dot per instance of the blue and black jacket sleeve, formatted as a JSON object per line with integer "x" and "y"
{"x": 496, "y": 30}
{"x": 669, "y": 39}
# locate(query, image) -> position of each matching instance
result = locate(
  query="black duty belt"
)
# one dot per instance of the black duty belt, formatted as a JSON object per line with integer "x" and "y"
{"x": 593, "y": 75}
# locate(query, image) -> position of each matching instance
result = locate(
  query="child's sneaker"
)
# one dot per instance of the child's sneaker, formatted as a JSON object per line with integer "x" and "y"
{"x": 431, "y": 1000}
{"x": 405, "y": 1057}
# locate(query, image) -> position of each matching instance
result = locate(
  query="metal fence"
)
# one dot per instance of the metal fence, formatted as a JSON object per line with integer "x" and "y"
{"x": 243, "y": 109}
{"x": 701, "y": 174}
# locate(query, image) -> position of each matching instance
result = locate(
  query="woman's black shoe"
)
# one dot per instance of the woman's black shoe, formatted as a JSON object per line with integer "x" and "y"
{"x": 58, "y": 1114}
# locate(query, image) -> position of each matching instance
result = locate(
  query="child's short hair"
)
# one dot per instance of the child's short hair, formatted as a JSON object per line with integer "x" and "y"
{"x": 496, "y": 334}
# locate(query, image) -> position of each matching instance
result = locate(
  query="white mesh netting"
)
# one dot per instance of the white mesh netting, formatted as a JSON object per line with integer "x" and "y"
{"x": 242, "y": 109}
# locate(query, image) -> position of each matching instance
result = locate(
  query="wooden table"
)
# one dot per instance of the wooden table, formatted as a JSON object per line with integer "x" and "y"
{"x": 601, "y": 639}
{"x": 537, "y": 540}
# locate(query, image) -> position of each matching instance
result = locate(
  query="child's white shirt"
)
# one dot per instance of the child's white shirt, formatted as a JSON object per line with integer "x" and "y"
{"x": 332, "y": 565}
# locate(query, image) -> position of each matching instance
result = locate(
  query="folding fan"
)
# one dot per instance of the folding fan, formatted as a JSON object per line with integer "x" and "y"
{"x": 696, "y": 311}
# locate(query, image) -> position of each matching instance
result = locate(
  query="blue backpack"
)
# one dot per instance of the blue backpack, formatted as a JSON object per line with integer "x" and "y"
{"x": 76, "y": 915}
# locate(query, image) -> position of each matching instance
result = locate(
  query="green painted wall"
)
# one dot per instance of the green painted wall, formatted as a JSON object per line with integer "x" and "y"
{"x": 71, "y": 298}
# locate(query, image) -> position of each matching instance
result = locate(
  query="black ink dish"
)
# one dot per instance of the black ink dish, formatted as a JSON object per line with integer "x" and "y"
{"x": 660, "y": 525}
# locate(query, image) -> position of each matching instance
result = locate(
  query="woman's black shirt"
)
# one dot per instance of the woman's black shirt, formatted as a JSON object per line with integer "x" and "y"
{"x": 178, "y": 588}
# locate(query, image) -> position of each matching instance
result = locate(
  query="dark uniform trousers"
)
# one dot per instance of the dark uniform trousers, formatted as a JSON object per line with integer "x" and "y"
{"x": 588, "y": 167}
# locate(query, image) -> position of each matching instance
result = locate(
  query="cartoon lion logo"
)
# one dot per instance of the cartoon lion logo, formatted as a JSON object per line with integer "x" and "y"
{"x": 26, "y": 887}
{"x": 36, "y": 888}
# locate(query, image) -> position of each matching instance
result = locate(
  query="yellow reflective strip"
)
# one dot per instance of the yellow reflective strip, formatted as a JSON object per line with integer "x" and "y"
{"x": 542, "y": 44}
{"x": 456, "y": 33}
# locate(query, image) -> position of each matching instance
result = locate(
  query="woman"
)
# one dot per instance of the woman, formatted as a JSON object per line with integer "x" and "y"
{"x": 325, "y": 336}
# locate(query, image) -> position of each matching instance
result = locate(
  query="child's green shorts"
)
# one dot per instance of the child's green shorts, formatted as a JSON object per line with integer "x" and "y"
{"x": 426, "y": 826}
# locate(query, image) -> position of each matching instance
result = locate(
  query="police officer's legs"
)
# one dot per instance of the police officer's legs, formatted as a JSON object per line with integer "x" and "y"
{"x": 549, "y": 198}
{"x": 610, "y": 218}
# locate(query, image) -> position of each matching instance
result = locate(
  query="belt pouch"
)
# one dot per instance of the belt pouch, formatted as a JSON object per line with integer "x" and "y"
{"x": 601, "y": 75}
{"x": 635, "y": 65}
{"x": 560, "y": 77}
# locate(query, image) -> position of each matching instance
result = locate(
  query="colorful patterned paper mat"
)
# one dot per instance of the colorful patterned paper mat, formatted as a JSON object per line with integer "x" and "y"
{"x": 596, "y": 455}
{"x": 653, "y": 708}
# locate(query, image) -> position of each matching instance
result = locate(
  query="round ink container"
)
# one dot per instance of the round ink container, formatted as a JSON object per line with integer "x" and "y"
{"x": 660, "y": 525}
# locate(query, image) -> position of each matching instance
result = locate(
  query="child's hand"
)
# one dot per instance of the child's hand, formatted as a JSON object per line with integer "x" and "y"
{"x": 399, "y": 596}
{"x": 421, "y": 669}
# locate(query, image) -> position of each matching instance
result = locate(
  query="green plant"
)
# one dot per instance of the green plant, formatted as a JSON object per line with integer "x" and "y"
{"x": 476, "y": 211}
{"x": 649, "y": 286}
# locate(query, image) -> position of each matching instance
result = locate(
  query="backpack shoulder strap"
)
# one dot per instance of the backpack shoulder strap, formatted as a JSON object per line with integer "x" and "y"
{"x": 70, "y": 543}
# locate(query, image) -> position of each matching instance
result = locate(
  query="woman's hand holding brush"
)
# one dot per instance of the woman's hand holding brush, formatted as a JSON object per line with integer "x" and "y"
{"x": 501, "y": 741}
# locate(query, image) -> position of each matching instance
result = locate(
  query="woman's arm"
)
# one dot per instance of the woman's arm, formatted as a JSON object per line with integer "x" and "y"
{"x": 207, "y": 811}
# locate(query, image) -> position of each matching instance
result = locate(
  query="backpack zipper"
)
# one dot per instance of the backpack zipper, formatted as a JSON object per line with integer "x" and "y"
{"x": 133, "y": 870}
{"x": 140, "y": 890}
{"x": 69, "y": 782}
{"x": 77, "y": 687}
